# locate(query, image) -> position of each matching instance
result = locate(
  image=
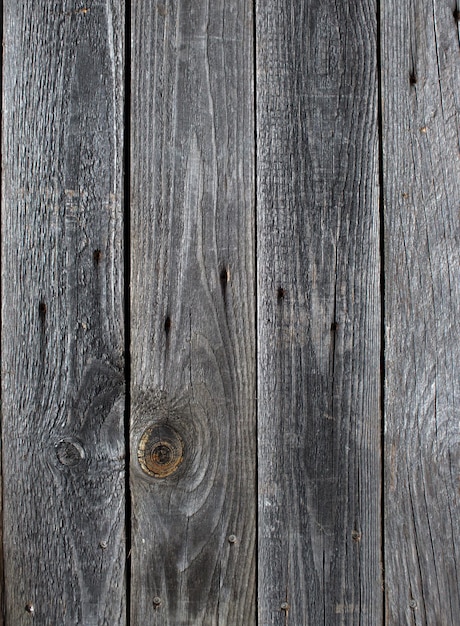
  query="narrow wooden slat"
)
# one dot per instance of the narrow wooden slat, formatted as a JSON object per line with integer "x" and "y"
{"x": 318, "y": 313}
{"x": 192, "y": 301}
{"x": 62, "y": 313}
{"x": 421, "y": 100}
{"x": 2, "y": 565}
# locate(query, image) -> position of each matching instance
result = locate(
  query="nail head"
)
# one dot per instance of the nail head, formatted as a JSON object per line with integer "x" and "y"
{"x": 30, "y": 608}
{"x": 356, "y": 535}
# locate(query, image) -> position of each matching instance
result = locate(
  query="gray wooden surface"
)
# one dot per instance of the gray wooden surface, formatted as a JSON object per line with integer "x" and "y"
{"x": 293, "y": 246}
{"x": 62, "y": 321}
{"x": 192, "y": 313}
{"x": 318, "y": 314}
{"x": 421, "y": 98}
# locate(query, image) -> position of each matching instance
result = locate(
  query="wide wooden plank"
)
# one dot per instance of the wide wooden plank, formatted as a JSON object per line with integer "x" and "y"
{"x": 192, "y": 313}
{"x": 318, "y": 313}
{"x": 421, "y": 98}
{"x": 62, "y": 312}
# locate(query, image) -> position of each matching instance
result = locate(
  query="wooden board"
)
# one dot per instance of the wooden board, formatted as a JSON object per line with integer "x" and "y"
{"x": 192, "y": 313}
{"x": 421, "y": 98}
{"x": 318, "y": 313}
{"x": 62, "y": 313}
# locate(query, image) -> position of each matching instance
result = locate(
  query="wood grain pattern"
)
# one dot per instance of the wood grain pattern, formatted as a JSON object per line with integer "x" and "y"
{"x": 318, "y": 314}
{"x": 421, "y": 98}
{"x": 62, "y": 312}
{"x": 2, "y": 562}
{"x": 192, "y": 301}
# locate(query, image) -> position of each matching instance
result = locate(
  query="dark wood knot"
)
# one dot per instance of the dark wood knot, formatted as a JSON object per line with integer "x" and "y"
{"x": 160, "y": 450}
{"x": 69, "y": 452}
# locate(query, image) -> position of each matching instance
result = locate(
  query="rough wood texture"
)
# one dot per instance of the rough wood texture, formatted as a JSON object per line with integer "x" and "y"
{"x": 319, "y": 314}
{"x": 192, "y": 299}
{"x": 2, "y": 565}
{"x": 421, "y": 98}
{"x": 62, "y": 299}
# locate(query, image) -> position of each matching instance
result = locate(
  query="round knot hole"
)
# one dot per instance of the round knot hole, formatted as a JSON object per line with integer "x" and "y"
{"x": 160, "y": 451}
{"x": 69, "y": 452}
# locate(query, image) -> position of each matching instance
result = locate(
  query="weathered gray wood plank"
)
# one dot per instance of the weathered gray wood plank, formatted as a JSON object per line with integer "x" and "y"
{"x": 62, "y": 313}
{"x": 318, "y": 313}
{"x": 2, "y": 567}
{"x": 192, "y": 301}
{"x": 421, "y": 98}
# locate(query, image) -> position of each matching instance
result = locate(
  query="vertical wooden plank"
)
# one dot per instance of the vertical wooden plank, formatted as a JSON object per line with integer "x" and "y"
{"x": 2, "y": 572}
{"x": 192, "y": 301}
{"x": 319, "y": 313}
{"x": 421, "y": 98}
{"x": 62, "y": 312}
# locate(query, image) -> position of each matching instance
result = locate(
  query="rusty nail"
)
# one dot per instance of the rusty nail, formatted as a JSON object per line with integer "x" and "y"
{"x": 156, "y": 601}
{"x": 285, "y": 606}
{"x": 232, "y": 539}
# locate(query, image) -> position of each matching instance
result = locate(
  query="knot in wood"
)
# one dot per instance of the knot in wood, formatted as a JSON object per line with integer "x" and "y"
{"x": 69, "y": 452}
{"x": 160, "y": 450}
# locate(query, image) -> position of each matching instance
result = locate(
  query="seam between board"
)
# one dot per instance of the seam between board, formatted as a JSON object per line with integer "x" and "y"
{"x": 127, "y": 295}
{"x": 2, "y": 562}
{"x": 381, "y": 205}
{"x": 256, "y": 301}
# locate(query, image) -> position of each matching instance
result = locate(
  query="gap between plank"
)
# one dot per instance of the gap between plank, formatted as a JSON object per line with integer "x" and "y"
{"x": 127, "y": 294}
{"x": 382, "y": 296}
{"x": 2, "y": 550}
{"x": 256, "y": 298}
